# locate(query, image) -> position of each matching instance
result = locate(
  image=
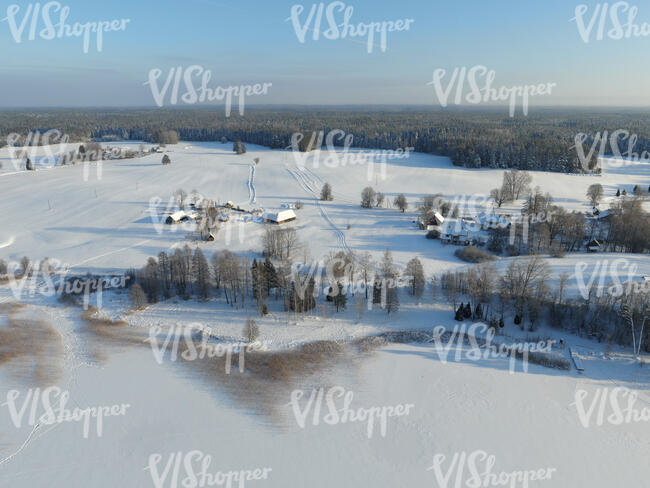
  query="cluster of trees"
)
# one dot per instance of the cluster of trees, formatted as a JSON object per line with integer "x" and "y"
{"x": 160, "y": 136}
{"x": 481, "y": 137}
{"x": 515, "y": 185}
{"x": 526, "y": 292}
{"x": 371, "y": 198}
{"x": 545, "y": 227}
{"x": 188, "y": 273}
{"x": 629, "y": 227}
{"x": 523, "y": 291}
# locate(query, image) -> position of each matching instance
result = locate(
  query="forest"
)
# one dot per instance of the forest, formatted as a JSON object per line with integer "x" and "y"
{"x": 547, "y": 139}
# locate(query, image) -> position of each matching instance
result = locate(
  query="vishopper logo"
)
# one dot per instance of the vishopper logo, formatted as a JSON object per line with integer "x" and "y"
{"x": 34, "y": 151}
{"x": 52, "y": 401}
{"x": 60, "y": 29}
{"x": 605, "y": 278}
{"x": 342, "y": 414}
{"x": 192, "y": 342}
{"x": 488, "y": 350}
{"x": 476, "y": 469}
{"x": 195, "y": 465}
{"x": 614, "y": 159}
{"x": 338, "y": 16}
{"x": 599, "y": 16}
{"x": 615, "y": 406}
{"x": 477, "y": 75}
{"x": 337, "y": 157}
{"x": 203, "y": 94}
{"x": 31, "y": 280}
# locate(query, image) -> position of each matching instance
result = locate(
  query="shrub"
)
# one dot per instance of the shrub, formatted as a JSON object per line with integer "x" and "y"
{"x": 299, "y": 205}
{"x": 473, "y": 255}
{"x": 433, "y": 234}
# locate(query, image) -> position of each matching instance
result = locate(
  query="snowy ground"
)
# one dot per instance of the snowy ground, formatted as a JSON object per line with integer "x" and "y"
{"x": 103, "y": 222}
{"x": 99, "y": 217}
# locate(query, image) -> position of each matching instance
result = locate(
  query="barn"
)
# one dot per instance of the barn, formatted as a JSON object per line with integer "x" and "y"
{"x": 280, "y": 217}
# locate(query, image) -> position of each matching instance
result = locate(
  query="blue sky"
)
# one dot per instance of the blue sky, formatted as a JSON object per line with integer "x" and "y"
{"x": 250, "y": 41}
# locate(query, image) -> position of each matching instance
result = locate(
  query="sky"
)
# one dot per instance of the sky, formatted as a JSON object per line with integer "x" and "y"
{"x": 248, "y": 42}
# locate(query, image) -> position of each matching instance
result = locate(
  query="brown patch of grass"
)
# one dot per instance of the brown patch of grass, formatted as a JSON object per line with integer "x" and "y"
{"x": 269, "y": 376}
{"x": 111, "y": 332}
{"x": 31, "y": 349}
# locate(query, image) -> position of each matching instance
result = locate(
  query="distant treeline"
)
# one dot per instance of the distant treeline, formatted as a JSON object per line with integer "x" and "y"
{"x": 544, "y": 140}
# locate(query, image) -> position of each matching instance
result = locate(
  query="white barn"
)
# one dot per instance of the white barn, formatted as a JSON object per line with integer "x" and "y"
{"x": 281, "y": 217}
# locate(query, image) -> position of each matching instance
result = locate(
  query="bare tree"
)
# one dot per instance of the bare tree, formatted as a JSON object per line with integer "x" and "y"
{"x": 180, "y": 195}
{"x": 366, "y": 266}
{"x": 499, "y": 195}
{"x": 201, "y": 273}
{"x": 367, "y": 197}
{"x": 595, "y": 193}
{"x": 525, "y": 279}
{"x": 251, "y": 330}
{"x": 280, "y": 242}
{"x": 25, "y": 265}
{"x": 516, "y": 183}
{"x": 138, "y": 296}
{"x": 401, "y": 203}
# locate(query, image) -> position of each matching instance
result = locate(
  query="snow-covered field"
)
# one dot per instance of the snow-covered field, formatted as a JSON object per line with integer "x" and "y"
{"x": 99, "y": 217}
{"x": 104, "y": 222}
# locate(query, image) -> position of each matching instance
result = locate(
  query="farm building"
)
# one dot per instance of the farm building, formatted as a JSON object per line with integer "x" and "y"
{"x": 437, "y": 219}
{"x": 208, "y": 236}
{"x": 280, "y": 217}
{"x": 181, "y": 216}
{"x": 176, "y": 217}
{"x": 593, "y": 246}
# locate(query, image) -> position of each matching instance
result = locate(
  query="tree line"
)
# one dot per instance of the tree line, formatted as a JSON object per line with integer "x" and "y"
{"x": 473, "y": 138}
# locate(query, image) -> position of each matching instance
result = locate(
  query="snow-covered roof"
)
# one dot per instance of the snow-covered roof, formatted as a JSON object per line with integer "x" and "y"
{"x": 281, "y": 216}
{"x": 178, "y": 215}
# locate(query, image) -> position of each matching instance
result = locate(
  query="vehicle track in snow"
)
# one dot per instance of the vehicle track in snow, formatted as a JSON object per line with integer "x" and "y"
{"x": 252, "y": 197}
{"x": 308, "y": 185}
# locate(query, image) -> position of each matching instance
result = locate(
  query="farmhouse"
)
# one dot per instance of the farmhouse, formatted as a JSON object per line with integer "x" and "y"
{"x": 280, "y": 217}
